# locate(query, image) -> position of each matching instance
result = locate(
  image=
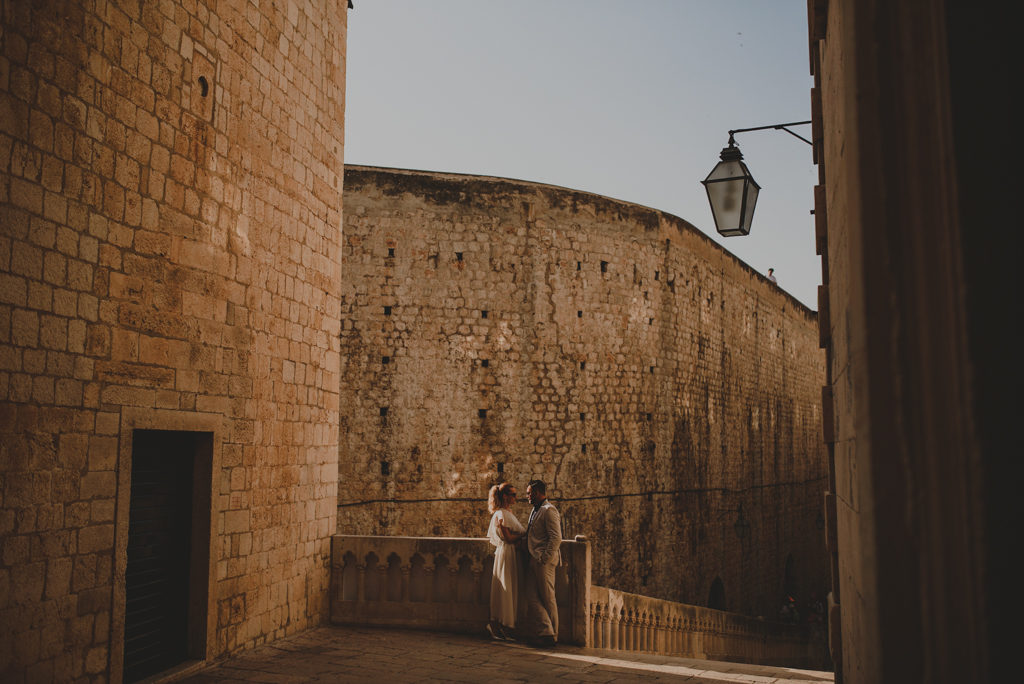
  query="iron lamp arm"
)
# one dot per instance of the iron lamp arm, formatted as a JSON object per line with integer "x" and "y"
{"x": 776, "y": 127}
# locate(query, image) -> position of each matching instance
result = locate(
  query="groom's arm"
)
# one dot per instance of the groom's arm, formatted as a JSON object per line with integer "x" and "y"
{"x": 553, "y": 527}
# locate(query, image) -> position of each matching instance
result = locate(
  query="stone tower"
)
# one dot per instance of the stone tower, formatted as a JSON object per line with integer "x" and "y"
{"x": 170, "y": 202}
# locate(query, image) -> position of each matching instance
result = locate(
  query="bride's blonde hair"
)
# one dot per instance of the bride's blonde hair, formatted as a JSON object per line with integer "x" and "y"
{"x": 497, "y": 497}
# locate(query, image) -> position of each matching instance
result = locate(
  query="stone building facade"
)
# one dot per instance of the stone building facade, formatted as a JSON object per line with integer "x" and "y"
{"x": 669, "y": 395}
{"x": 916, "y": 314}
{"x": 170, "y": 202}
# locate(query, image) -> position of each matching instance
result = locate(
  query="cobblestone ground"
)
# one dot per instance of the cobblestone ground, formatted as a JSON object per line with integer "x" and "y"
{"x": 344, "y": 654}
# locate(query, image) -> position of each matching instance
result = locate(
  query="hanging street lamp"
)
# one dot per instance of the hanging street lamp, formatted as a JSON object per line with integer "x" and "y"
{"x": 732, "y": 190}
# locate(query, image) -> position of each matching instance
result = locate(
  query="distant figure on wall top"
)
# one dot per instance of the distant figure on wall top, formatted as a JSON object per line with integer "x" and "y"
{"x": 771, "y": 276}
{"x": 504, "y": 531}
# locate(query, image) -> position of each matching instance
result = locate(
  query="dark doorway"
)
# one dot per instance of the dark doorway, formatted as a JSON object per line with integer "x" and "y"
{"x": 167, "y": 574}
{"x": 716, "y": 597}
{"x": 789, "y": 584}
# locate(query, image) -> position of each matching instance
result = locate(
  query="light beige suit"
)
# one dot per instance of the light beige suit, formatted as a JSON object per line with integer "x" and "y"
{"x": 543, "y": 537}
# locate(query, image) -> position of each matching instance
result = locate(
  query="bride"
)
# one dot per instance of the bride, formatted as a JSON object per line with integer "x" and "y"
{"x": 504, "y": 531}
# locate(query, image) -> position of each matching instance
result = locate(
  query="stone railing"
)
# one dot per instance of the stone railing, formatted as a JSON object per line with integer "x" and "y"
{"x": 629, "y": 622}
{"x": 443, "y": 584}
{"x": 440, "y": 583}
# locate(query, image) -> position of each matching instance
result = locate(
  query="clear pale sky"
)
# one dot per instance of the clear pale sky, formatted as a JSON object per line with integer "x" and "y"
{"x": 632, "y": 100}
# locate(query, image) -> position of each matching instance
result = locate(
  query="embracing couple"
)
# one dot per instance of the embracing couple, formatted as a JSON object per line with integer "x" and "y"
{"x": 539, "y": 542}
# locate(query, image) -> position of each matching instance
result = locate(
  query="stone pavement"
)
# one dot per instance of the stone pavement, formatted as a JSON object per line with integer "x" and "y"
{"x": 365, "y": 654}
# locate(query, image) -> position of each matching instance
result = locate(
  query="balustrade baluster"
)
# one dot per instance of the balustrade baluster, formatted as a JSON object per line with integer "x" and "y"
{"x": 428, "y": 579}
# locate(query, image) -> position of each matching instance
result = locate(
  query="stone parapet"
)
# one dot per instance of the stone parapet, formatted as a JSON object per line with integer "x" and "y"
{"x": 443, "y": 584}
{"x": 439, "y": 583}
{"x": 621, "y": 621}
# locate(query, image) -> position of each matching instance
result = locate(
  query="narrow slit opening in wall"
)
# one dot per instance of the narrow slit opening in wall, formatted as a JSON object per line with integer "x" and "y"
{"x": 652, "y": 370}
{"x": 385, "y": 360}
{"x": 385, "y": 468}
{"x": 485, "y": 362}
{"x": 656, "y": 274}
{"x": 583, "y": 416}
{"x": 383, "y": 411}
{"x": 481, "y": 413}
{"x": 650, "y": 321}
{"x": 387, "y": 310}
{"x": 604, "y": 267}
{"x": 483, "y": 313}
{"x": 583, "y": 448}
{"x": 583, "y": 365}
{"x": 579, "y": 314}
{"x": 579, "y": 265}
{"x": 391, "y": 252}
{"x": 501, "y": 466}
{"x": 458, "y": 256}
{"x": 169, "y": 545}
{"x": 649, "y": 416}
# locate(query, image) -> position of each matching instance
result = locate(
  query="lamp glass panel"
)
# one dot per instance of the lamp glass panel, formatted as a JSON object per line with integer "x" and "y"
{"x": 748, "y": 214}
{"x": 726, "y": 198}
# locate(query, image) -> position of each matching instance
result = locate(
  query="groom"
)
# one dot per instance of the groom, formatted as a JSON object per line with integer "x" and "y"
{"x": 543, "y": 537}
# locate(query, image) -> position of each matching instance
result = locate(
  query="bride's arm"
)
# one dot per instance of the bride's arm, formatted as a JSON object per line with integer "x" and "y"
{"x": 507, "y": 534}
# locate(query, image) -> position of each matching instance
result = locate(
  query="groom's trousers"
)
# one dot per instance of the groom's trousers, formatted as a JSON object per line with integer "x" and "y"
{"x": 541, "y": 609}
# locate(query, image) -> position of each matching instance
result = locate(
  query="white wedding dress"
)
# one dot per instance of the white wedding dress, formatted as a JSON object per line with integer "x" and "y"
{"x": 505, "y": 580}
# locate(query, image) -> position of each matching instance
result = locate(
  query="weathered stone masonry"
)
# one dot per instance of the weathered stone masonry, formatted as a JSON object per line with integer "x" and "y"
{"x": 670, "y": 396}
{"x": 170, "y": 201}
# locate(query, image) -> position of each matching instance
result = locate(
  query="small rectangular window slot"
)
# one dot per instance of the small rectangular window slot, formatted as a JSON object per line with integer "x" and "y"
{"x": 483, "y": 313}
{"x": 583, "y": 448}
{"x": 391, "y": 252}
{"x": 656, "y": 275}
{"x": 579, "y": 314}
{"x": 385, "y": 468}
{"x": 485, "y": 362}
{"x": 383, "y": 411}
{"x": 385, "y": 360}
{"x": 387, "y": 310}
{"x": 458, "y": 256}
{"x": 481, "y": 413}
{"x": 652, "y": 370}
{"x": 649, "y": 416}
{"x": 579, "y": 265}
{"x": 650, "y": 321}
{"x": 583, "y": 365}
{"x": 604, "y": 267}
{"x": 583, "y": 416}
{"x": 501, "y": 466}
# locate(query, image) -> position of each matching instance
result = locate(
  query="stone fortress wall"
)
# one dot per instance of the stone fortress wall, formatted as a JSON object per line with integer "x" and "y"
{"x": 170, "y": 199}
{"x": 670, "y": 396}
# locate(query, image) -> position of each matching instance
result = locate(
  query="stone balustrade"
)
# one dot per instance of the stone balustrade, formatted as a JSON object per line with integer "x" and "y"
{"x": 622, "y": 621}
{"x": 443, "y": 583}
{"x": 440, "y": 583}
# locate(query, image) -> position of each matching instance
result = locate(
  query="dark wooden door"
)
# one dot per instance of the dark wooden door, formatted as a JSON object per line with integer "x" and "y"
{"x": 159, "y": 543}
